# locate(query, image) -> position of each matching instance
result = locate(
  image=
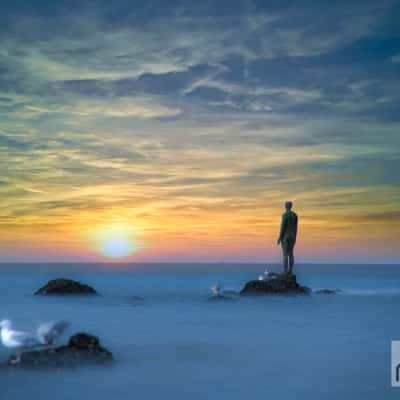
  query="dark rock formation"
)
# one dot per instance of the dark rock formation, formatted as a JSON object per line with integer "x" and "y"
{"x": 283, "y": 284}
{"x": 135, "y": 300}
{"x": 82, "y": 348}
{"x": 327, "y": 291}
{"x": 65, "y": 287}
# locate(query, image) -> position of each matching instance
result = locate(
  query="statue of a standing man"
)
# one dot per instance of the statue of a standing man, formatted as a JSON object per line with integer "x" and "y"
{"x": 287, "y": 237}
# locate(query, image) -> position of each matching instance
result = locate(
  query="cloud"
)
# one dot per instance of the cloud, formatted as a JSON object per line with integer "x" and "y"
{"x": 186, "y": 119}
{"x": 8, "y": 142}
{"x": 125, "y": 108}
{"x": 94, "y": 48}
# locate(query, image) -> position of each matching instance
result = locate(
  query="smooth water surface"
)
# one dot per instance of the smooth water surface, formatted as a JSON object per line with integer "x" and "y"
{"x": 176, "y": 344}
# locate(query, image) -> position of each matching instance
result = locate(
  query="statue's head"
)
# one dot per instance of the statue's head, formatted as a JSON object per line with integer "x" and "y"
{"x": 288, "y": 205}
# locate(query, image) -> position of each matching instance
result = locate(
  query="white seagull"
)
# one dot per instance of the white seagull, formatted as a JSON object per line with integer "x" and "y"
{"x": 265, "y": 276}
{"x": 50, "y": 331}
{"x": 216, "y": 289}
{"x": 21, "y": 341}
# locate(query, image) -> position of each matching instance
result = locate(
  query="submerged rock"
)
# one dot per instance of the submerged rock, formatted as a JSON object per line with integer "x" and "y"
{"x": 82, "y": 348}
{"x": 135, "y": 300}
{"x": 327, "y": 291}
{"x": 221, "y": 297}
{"x": 65, "y": 287}
{"x": 284, "y": 284}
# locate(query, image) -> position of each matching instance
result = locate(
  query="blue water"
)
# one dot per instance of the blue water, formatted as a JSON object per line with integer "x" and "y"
{"x": 176, "y": 345}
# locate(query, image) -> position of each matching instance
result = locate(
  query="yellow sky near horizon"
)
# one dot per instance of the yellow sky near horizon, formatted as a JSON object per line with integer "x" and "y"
{"x": 208, "y": 229}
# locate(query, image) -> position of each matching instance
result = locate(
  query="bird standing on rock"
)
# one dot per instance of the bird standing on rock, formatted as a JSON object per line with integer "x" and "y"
{"x": 21, "y": 341}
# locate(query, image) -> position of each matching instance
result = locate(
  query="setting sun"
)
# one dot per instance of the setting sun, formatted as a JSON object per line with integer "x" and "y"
{"x": 115, "y": 241}
{"x": 118, "y": 248}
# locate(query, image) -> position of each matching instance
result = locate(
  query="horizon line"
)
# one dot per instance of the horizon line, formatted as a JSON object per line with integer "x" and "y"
{"x": 195, "y": 262}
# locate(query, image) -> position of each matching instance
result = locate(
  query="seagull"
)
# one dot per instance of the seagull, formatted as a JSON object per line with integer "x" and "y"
{"x": 216, "y": 289}
{"x": 17, "y": 340}
{"x": 265, "y": 276}
{"x": 48, "y": 332}
{"x": 21, "y": 341}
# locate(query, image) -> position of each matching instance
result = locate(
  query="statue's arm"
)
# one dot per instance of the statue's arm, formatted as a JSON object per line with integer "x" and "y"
{"x": 282, "y": 231}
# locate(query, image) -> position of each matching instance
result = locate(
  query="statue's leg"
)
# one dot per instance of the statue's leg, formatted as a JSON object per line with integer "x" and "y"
{"x": 285, "y": 257}
{"x": 285, "y": 263}
{"x": 291, "y": 258}
{"x": 291, "y": 262}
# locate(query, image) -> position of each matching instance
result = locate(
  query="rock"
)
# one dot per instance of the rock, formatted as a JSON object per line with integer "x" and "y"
{"x": 327, "y": 291}
{"x": 65, "y": 287}
{"x": 135, "y": 300}
{"x": 82, "y": 348}
{"x": 283, "y": 284}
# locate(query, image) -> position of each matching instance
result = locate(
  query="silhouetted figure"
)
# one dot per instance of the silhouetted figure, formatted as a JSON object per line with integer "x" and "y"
{"x": 287, "y": 237}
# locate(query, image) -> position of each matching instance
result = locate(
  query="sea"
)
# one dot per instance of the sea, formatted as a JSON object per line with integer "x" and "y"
{"x": 170, "y": 342}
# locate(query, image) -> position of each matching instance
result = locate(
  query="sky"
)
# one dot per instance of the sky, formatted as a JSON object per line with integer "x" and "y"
{"x": 175, "y": 131}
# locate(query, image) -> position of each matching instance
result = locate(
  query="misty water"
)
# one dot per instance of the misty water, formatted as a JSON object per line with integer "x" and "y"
{"x": 176, "y": 344}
